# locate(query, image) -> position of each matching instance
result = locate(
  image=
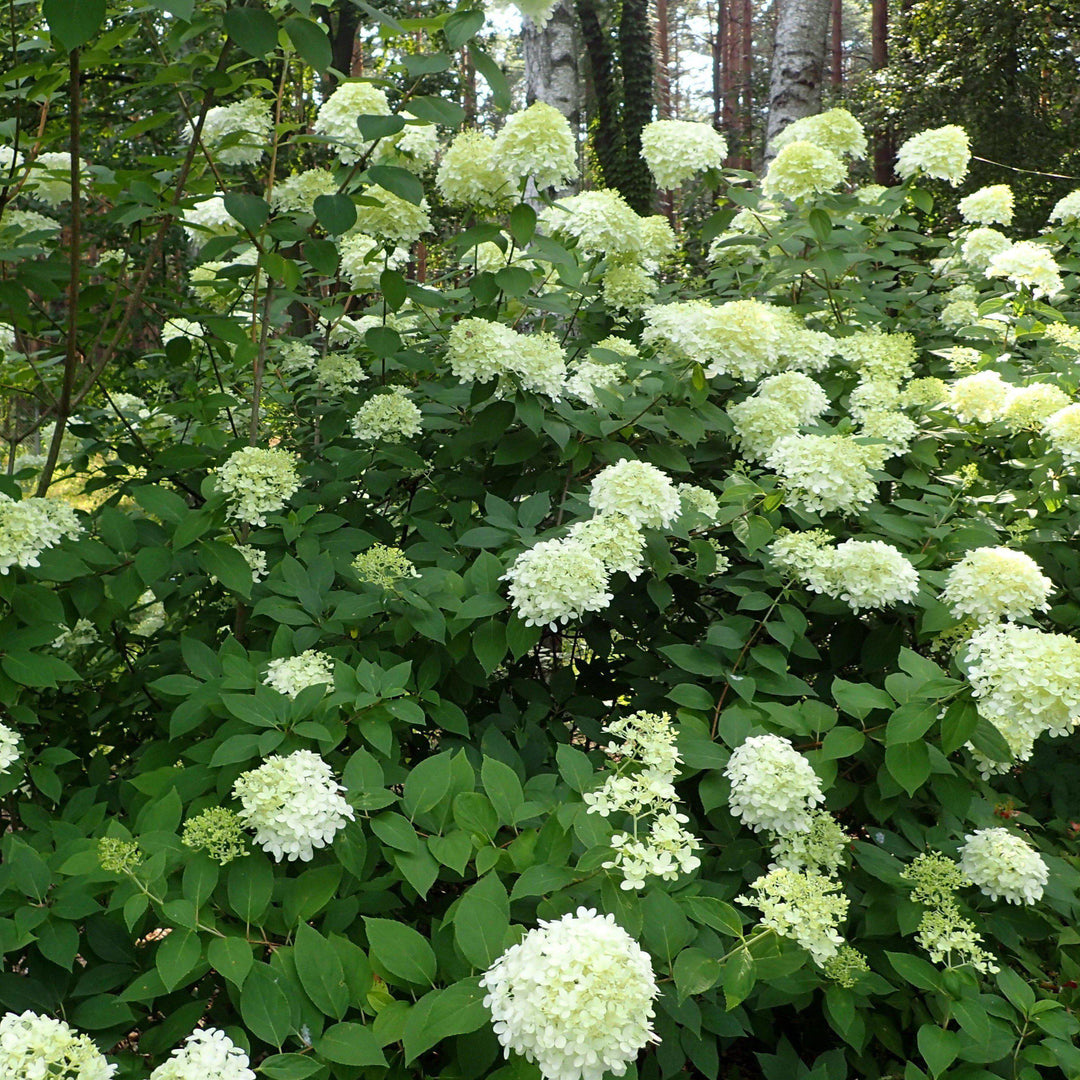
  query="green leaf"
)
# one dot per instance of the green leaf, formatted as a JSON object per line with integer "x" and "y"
{"x": 503, "y": 789}
{"x": 695, "y": 971}
{"x": 908, "y": 765}
{"x": 821, "y": 223}
{"x": 321, "y": 973}
{"x": 990, "y": 742}
{"x": 394, "y": 289}
{"x": 915, "y": 970}
{"x": 401, "y": 950}
{"x": 253, "y": 29}
{"x": 489, "y": 644}
{"x": 574, "y": 767}
{"x": 738, "y": 978}
{"x": 182, "y": 9}
{"x": 938, "y": 1047}
{"x": 860, "y": 699}
{"x": 36, "y": 669}
{"x": 493, "y": 76}
{"x": 251, "y": 211}
{"x": 441, "y": 1013}
{"x": 231, "y": 957}
{"x": 958, "y": 725}
{"x": 437, "y": 110}
{"x": 694, "y": 659}
{"x": 398, "y": 181}
{"x": 910, "y": 722}
{"x": 177, "y": 956}
{"x": 841, "y": 742}
{"x": 481, "y": 921}
{"x": 461, "y": 26}
{"x": 310, "y": 41}
{"x": 264, "y": 1006}
{"x": 322, "y": 255}
{"x": 250, "y": 886}
{"x": 225, "y": 563}
{"x": 1016, "y": 990}
{"x": 73, "y": 22}
{"x": 350, "y": 1044}
{"x": 290, "y": 1066}
{"x": 374, "y": 127}
{"x": 335, "y": 213}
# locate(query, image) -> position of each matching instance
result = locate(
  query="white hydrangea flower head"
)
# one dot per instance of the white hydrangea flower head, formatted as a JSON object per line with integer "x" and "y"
{"x": 338, "y": 373}
{"x": 628, "y": 287}
{"x": 30, "y": 526}
{"x": 1064, "y": 336}
{"x": 338, "y": 114}
{"x": 601, "y": 221}
{"x": 871, "y": 395}
{"x": 805, "y": 556}
{"x": 615, "y": 540}
{"x": 472, "y": 174}
{"x": 826, "y": 473}
{"x": 414, "y": 147}
{"x": 805, "y": 906}
{"x": 295, "y": 356}
{"x": 1062, "y": 431}
{"x": 50, "y": 178}
{"x": 293, "y": 804}
{"x": 537, "y": 12}
{"x": 959, "y": 313}
{"x": 556, "y": 581}
{"x": 759, "y": 423}
{"x": 10, "y": 160}
{"x": 637, "y": 490}
{"x": 892, "y": 429}
{"x": 297, "y": 193}
{"x": 1028, "y": 264}
{"x": 658, "y": 237}
{"x": 802, "y": 170}
{"x": 1030, "y": 406}
{"x": 677, "y": 150}
{"x": 383, "y": 566}
{"x": 206, "y": 1054}
{"x": 820, "y": 848}
{"x": 1067, "y": 209}
{"x": 980, "y": 396}
{"x": 34, "y": 1047}
{"x": 665, "y": 851}
{"x": 292, "y": 674}
{"x": 538, "y": 143}
{"x": 575, "y": 995}
{"x": 238, "y": 133}
{"x": 879, "y": 355}
{"x": 255, "y": 559}
{"x": 363, "y": 259}
{"x": 980, "y": 246}
{"x": 587, "y": 376}
{"x": 924, "y": 393}
{"x": 208, "y": 218}
{"x": 943, "y": 153}
{"x": 952, "y": 940}
{"x": 835, "y": 130}
{"x": 25, "y": 222}
{"x": 870, "y": 574}
{"x": 798, "y": 393}
{"x": 9, "y": 748}
{"x": 1026, "y": 683}
{"x": 991, "y": 205}
{"x": 990, "y": 583}
{"x": 178, "y": 327}
{"x": 698, "y": 500}
{"x": 256, "y": 481}
{"x": 392, "y": 217}
{"x": 484, "y": 350}
{"x": 213, "y": 290}
{"x": 388, "y": 417}
{"x": 1004, "y": 864}
{"x": 772, "y": 785}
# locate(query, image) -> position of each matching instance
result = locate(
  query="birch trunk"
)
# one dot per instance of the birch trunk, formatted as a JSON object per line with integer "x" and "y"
{"x": 798, "y": 64}
{"x": 552, "y": 72}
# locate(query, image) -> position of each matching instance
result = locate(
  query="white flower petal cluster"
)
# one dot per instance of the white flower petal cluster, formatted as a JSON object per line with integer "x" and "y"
{"x": 878, "y": 355}
{"x": 601, "y": 221}
{"x": 390, "y": 217}
{"x": 805, "y": 906}
{"x": 892, "y": 429}
{"x": 255, "y": 559}
{"x": 472, "y": 174}
{"x": 698, "y": 500}
{"x": 207, "y": 218}
{"x": 483, "y": 350}
{"x": 293, "y": 674}
{"x": 802, "y": 170}
{"x": 239, "y": 133}
{"x": 1028, "y": 264}
{"x": 1067, "y": 209}
{"x": 643, "y": 786}
{"x": 835, "y": 130}
{"x": 805, "y": 556}
{"x": 1064, "y": 336}
{"x": 338, "y": 114}
{"x": 991, "y": 583}
{"x": 293, "y": 804}
{"x": 214, "y": 290}
{"x": 537, "y": 12}
{"x": 615, "y": 540}
{"x": 991, "y": 205}
{"x": 676, "y": 150}
{"x": 800, "y": 395}
{"x": 1062, "y": 431}
{"x": 759, "y": 423}
{"x": 538, "y": 143}
{"x": 50, "y": 178}
{"x": 870, "y": 574}
{"x": 178, "y": 327}
{"x": 414, "y": 147}
{"x": 1026, "y": 683}
{"x": 556, "y": 581}
{"x": 388, "y": 417}
{"x": 69, "y": 641}
{"x": 980, "y": 246}
{"x": 383, "y": 566}
{"x": 339, "y": 373}
{"x": 25, "y": 222}
{"x": 826, "y": 473}
{"x": 639, "y": 491}
{"x": 34, "y": 1047}
{"x": 297, "y": 193}
{"x": 978, "y": 397}
{"x": 1004, "y": 864}
{"x": 363, "y": 259}
{"x": 772, "y": 785}
{"x": 943, "y": 153}
{"x": 959, "y": 313}
{"x": 30, "y": 526}
{"x": 575, "y": 995}
{"x": 820, "y": 848}
{"x": 206, "y": 1054}
{"x": 257, "y": 481}
{"x": 587, "y": 376}
{"x": 626, "y": 286}
{"x": 9, "y": 748}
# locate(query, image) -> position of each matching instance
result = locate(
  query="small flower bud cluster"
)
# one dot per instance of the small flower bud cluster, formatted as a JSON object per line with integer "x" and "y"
{"x": 117, "y": 855}
{"x": 292, "y": 674}
{"x": 217, "y": 831}
{"x": 383, "y": 566}
{"x": 642, "y": 785}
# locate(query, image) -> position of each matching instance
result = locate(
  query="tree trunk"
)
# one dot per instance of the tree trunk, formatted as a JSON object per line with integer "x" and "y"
{"x": 879, "y": 58}
{"x": 663, "y": 62}
{"x": 798, "y": 64}
{"x": 607, "y": 137}
{"x": 551, "y": 64}
{"x": 636, "y": 61}
{"x": 746, "y": 78}
{"x": 837, "y": 66}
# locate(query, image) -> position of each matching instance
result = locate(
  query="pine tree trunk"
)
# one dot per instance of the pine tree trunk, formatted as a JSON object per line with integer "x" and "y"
{"x": 879, "y": 58}
{"x": 837, "y": 66}
{"x": 798, "y": 64}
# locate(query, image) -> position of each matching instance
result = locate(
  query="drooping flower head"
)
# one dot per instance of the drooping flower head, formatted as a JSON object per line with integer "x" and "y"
{"x": 980, "y": 246}
{"x": 1004, "y": 864}
{"x": 602, "y": 222}
{"x": 538, "y": 143}
{"x": 574, "y": 995}
{"x": 980, "y": 396}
